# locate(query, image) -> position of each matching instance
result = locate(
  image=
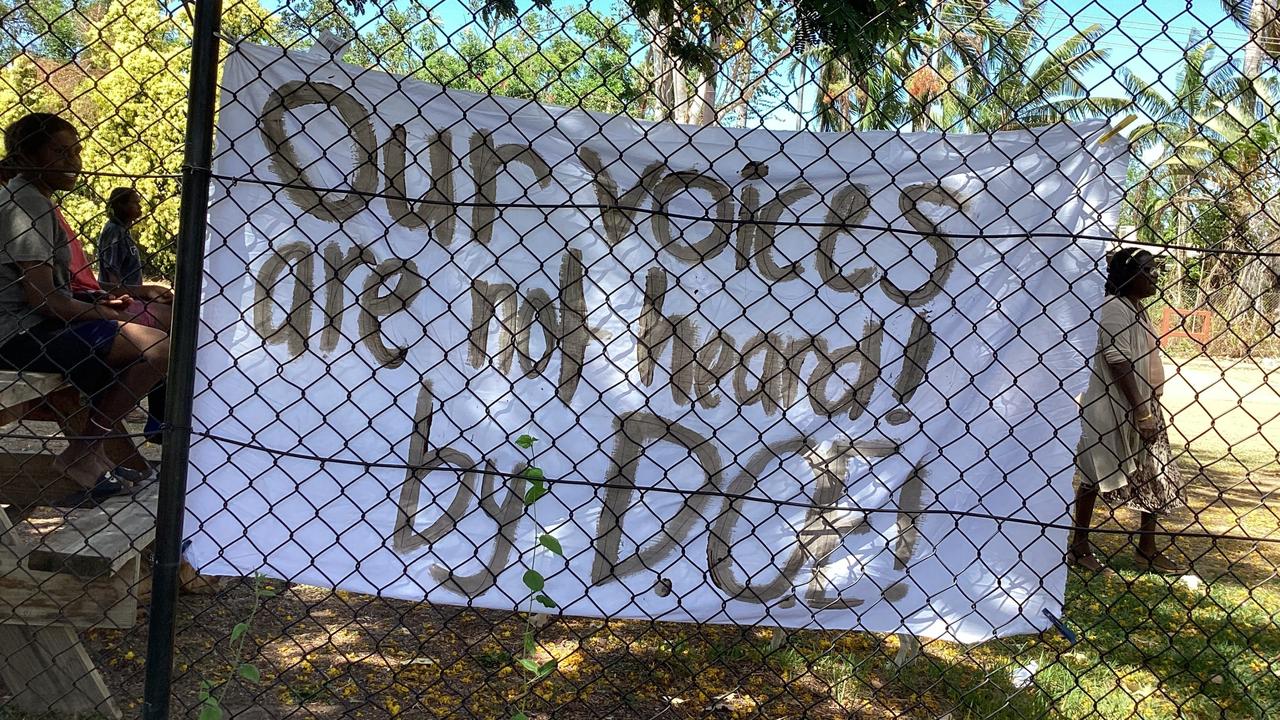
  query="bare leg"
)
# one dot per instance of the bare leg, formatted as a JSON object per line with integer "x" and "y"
{"x": 1148, "y": 556}
{"x": 163, "y": 314}
{"x": 1147, "y": 536}
{"x": 141, "y": 356}
{"x": 1086, "y": 499}
{"x": 1081, "y": 552}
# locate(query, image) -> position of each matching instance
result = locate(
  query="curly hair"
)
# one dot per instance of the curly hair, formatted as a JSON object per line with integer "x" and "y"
{"x": 118, "y": 197}
{"x": 30, "y": 133}
{"x": 1123, "y": 266}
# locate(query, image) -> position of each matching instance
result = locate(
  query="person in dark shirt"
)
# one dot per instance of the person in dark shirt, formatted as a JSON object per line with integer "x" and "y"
{"x": 120, "y": 273}
{"x": 118, "y": 261}
{"x": 120, "y": 266}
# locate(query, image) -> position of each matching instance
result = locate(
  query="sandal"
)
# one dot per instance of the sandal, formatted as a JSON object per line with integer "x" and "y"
{"x": 135, "y": 480}
{"x": 85, "y": 469}
{"x": 1088, "y": 561}
{"x": 1159, "y": 564}
{"x": 91, "y": 497}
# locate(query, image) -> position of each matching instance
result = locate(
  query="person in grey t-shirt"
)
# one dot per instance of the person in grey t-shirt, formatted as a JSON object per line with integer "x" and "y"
{"x": 43, "y": 327}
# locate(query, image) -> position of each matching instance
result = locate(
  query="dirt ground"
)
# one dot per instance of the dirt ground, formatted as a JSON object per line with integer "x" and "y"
{"x": 1229, "y": 407}
{"x": 1225, "y": 417}
{"x": 329, "y": 654}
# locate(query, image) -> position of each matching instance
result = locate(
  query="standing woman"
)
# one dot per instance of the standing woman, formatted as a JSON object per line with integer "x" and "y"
{"x": 1124, "y": 447}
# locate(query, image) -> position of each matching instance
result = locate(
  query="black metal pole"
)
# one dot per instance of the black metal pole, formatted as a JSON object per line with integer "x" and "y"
{"x": 196, "y": 173}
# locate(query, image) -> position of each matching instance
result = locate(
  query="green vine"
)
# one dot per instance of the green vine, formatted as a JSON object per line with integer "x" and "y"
{"x": 534, "y": 580}
{"x": 211, "y": 695}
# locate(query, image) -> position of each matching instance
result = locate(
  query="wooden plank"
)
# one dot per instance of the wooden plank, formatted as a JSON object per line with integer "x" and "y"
{"x": 31, "y": 597}
{"x": 17, "y": 387}
{"x": 49, "y": 669}
{"x": 22, "y": 411}
{"x": 28, "y": 480}
{"x": 96, "y": 542}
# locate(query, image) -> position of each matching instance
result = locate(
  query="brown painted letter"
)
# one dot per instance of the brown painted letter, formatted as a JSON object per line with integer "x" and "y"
{"x": 437, "y": 210}
{"x": 909, "y": 203}
{"x": 285, "y": 162}
{"x": 850, "y": 205}
{"x": 636, "y": 431}
{"x": 680, "y": 247}
{"x": 374, "y": 306}
{"x": 298, "y": 260}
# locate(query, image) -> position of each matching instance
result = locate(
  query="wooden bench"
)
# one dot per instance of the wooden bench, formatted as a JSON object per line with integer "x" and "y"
{"x": 1177, "y": 323}
{"x": 26, "y": 478}
{"x": 61, "y": 571}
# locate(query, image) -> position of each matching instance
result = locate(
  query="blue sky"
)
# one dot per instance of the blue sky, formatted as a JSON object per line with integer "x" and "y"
{"x": 1148, "y": 38}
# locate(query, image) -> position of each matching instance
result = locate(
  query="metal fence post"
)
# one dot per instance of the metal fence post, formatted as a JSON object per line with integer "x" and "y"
{"x": 182, "y": 361}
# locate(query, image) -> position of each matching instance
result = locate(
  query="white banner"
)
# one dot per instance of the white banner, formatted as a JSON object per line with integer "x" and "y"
{"x": 803, "y": 379}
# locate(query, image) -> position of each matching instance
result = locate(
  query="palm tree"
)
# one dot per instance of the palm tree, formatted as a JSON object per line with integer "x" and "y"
{"x": 1243, "y": 137}
{"x": 1007, "y": 91}
{"x": 1259, "y": 17}
{"x": 903, "y": 88}
{"x": 1174, "y": 130}
{"x": 1262, "y": 19}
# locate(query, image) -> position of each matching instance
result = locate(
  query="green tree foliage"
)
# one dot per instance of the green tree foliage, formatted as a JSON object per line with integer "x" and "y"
{"x": 854, "y": 30}
{"x": 125, "y": 84}
{"x": 580, "y": 61}
{"x": 126, "y": 89}
{"x": 53, "y": 29}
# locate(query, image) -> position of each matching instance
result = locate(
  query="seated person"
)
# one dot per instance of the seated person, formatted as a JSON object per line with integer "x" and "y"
{"x": 119, "y": 264}
{"x": 43, "y": 326}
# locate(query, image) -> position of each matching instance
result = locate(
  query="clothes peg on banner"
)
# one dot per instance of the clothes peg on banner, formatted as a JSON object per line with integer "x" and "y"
{"x": 1062, "y": 627}
{"x": 333, "y": 46}
{"x": 908, "y": 650}
{"x": 330, "y": 48}
{"x": 1115, "y": 129}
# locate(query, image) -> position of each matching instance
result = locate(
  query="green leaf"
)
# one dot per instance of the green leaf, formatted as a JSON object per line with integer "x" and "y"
{"x": 533, "y": 473}
{"x": 551, "y": 544}
{"x": 239, "y": 630}
{"x": 535, "y": 493}
{"x": 530, "y": 665}
{"x": 250, "y": 673}
{"x": 519, "y": 716}
{"x": 211, "y": 710}
{"x": 546, "y": 668}
{"x": 529, "y": 647}
{"x": 526, "y": 441}
{"x": 534, "y": 580}
{"x": 546, "y": 601}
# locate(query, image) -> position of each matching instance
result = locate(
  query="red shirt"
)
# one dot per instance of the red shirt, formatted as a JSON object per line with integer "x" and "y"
{"x": 83, "y": 279}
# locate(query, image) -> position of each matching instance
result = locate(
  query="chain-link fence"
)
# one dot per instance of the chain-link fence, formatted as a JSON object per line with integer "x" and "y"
{"x": 793, "y": 359}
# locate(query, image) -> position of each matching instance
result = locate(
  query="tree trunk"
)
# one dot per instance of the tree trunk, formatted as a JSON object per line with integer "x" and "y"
{"x": 703, "y": 110}
{"x": 1259, "y": 16}
{"x": 1257, "y": 277}
{"x": 749, "y": 89}
{"x": 664, "y": 72}
{"x": 680, "y": 94}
